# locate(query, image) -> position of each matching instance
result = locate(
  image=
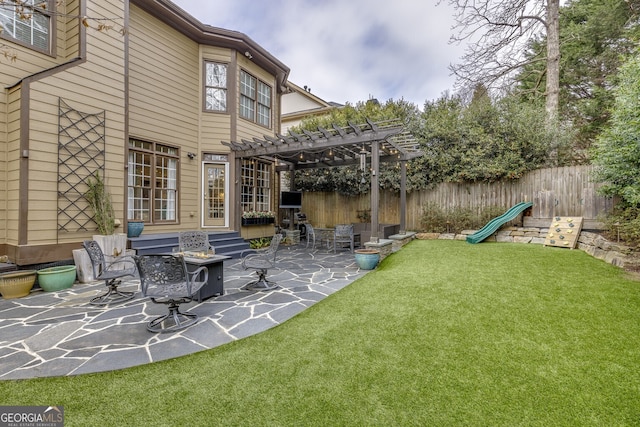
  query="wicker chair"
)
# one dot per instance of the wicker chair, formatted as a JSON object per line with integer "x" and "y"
{"x": 261, "y": 260}
{"x": 111, "y": 272}
{"x": 165, "y": 279}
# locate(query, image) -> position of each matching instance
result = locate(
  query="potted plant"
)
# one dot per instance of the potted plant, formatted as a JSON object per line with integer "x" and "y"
{"x": 100, "y": 202}
{"x": 367, "y": 259}
{"x": 112, "y": 244}
{"x": 258, "y": 217}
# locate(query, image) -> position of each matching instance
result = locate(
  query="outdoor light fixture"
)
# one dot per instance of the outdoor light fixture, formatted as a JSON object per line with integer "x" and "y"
{"x": 248, "y": 54}
{"x": 191, "y": 155}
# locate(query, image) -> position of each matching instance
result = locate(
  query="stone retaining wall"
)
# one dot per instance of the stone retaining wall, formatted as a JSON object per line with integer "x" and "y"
{"x": 591, "y": 243}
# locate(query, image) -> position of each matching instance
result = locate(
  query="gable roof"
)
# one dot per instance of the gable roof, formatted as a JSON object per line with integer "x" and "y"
{"x": 172, "y": 15}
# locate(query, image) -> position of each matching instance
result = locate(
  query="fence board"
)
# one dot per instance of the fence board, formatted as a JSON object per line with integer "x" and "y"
{"x": 564, "y": 191}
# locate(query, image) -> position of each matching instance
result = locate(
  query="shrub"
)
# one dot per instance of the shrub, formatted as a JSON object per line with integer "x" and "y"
{"x": 435, "y": 219}
{"x": 261, "y": 242}
{"x": 623, "y": 223}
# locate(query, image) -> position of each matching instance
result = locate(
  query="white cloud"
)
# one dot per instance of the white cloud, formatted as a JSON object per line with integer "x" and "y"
{"x": 348, "y": 51}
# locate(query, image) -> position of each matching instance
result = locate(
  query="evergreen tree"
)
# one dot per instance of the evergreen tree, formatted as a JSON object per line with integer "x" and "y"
{"x": 617, "y": 151}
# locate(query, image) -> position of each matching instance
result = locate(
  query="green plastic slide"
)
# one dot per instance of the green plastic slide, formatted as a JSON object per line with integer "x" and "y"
{"x": 493, "y": 225}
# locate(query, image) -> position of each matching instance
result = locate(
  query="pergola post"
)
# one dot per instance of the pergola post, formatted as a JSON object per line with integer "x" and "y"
{"x": 292, "y": 183}
{"x": 403, "y": 195}
{"x": 375, "y": 189}
{"x": 236, "y": 221}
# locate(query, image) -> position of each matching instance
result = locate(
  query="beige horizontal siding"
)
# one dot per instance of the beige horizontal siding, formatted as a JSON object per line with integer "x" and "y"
{"x": 164, "y": 85}
{"x": 93, "y": 87}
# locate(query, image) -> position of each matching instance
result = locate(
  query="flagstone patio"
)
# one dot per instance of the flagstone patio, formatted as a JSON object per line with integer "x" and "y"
{"x": 60, "y": 333}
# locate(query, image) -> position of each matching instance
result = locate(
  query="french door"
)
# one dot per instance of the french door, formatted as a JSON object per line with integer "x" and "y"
{"x": 216, "y": 195}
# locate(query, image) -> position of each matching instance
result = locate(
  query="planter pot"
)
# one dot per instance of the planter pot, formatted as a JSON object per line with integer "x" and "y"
{"x": 16, "y": 284}
{"x": 367, "y": 259}
{"x": 57, "y": 278}
{"x": 112, "y": 245}
{"x": 257, "y": 221}
{"x": 83, "y": 262}
{"x": 134, "y": 229}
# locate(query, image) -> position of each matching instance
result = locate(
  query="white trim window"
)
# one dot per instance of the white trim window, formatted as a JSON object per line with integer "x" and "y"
{"x": 27, "y": 22}
{"x": 152, "y": 182}
{"x": 255, "y": 99}
{"x": 215, "y": 86}
{"x": 256, "y": 186}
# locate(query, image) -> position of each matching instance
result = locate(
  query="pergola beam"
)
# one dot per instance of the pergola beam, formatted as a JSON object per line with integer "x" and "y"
{"x": 336, "y": 147}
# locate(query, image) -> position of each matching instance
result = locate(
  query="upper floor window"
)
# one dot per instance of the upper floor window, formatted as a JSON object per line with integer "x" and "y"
{"x": 215, "y": 86}
{"x": 27, "y": 22}
{"x": 255, "y": 100}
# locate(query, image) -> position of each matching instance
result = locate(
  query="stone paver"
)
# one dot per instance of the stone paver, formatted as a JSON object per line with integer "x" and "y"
{"x": 59, "y": 333}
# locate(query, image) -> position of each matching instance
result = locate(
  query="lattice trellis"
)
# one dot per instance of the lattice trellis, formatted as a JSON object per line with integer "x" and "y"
{"x": 81, "y": 152}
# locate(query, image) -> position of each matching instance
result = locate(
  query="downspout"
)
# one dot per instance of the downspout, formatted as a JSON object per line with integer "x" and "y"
{"x": 125, "y": 181}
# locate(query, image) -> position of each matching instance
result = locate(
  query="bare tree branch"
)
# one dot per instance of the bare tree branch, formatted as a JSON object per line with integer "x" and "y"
{"x": 498, "y": 33}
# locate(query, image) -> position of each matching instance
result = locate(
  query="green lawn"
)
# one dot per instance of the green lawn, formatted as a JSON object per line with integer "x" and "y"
{"x": 443, "y": 333}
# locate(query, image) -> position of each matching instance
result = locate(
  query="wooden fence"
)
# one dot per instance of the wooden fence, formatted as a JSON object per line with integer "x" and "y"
{"x": 564, "y": 191}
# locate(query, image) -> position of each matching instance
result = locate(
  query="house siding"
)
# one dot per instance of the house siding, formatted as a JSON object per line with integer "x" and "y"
{"x": 164, "y": 94}
{"x": 149, "y": 85}
{"x": 89, "y": 87}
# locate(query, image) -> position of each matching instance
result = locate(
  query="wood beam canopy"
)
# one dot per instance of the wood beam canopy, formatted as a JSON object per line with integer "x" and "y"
{"x": 337, "y": 146}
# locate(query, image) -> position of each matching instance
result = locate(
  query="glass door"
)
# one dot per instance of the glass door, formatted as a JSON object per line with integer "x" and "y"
{"x": 215, "y": 195}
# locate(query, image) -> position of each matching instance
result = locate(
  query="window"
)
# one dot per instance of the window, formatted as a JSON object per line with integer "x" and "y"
{"x": 256, "y": 186}
{"x": 215, "y": 87}
{"x": 255, "y": 100}
{"x": 152, "y": 182}
{"x": 26, "y": 23}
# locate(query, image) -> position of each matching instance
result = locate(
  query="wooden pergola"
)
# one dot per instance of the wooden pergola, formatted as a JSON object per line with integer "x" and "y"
{"x": 371, "y": 142}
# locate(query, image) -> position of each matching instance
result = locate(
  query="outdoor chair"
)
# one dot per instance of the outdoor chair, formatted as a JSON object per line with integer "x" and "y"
{"x": 111, "y": 272}
{"x": 165, "y": 279}
{"x": 194, "y": 241}
{"x": 261, "y": 260}
{"x": 310, "y": 235}
{"x": 343, "y": 233}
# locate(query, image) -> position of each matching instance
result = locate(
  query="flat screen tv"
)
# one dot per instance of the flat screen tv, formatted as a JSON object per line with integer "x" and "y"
{"x": 291, "y": 199}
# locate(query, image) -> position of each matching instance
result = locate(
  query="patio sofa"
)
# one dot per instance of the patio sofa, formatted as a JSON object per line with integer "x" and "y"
{"x": 384, "y": 230}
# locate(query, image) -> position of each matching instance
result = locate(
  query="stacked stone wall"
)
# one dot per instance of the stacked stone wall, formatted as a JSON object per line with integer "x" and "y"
{"x": 592, "y": 243}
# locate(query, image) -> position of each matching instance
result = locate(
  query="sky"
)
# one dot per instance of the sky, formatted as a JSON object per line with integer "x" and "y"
{"x": 348, "y": 50}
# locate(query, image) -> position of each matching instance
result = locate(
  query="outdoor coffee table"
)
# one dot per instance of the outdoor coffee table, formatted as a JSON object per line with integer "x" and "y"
{"x": 215, "y": 283}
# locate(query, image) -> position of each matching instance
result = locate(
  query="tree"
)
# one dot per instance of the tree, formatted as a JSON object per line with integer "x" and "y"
{"x": 595, "y": 37}
{"x": 486, "y": 140}
{"x": 617, "y": 150}
{"x": 498, "y": 32}
{"x": 350, "y": 180}
{"x": 483, "y": 141}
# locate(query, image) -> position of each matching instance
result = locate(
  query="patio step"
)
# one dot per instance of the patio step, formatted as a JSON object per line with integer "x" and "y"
{"x": 228, "y": 243}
